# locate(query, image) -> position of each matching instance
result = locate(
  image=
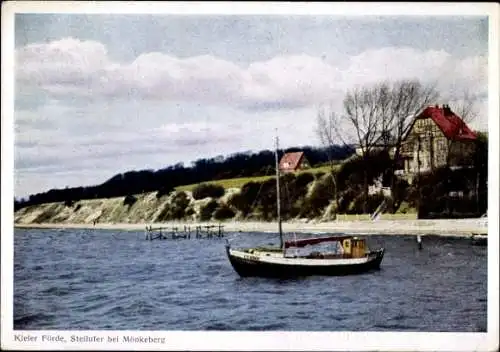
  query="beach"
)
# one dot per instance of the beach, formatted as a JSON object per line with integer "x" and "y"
{"x": 441, "y": 227}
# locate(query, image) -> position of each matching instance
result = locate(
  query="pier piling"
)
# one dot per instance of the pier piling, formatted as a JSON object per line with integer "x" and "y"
{"x": 174, "y": 232}
{"x": 419, "y": 242}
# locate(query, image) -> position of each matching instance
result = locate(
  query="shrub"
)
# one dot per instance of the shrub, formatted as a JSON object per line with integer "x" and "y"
{"x": 129, "y": 200}
{"x": 266, "y": 200}
{"x": 319, "y": 175}
{"x": 205, "y": 190}
{"x": 244, "y": 200}
{"x": 179, "y": 204}
{"x": 400, "y": 194}
{"x": 164, "y": 214}
{"x": 303, "y": 179}
{"x": 346, "y": 199}
{"x": 374, "y": 201}
{"x": 189, "y": 211}
{"x": 69, "y": 203}
{"x": 321, "y": 195}
{"x": 236, "y": 201}
{"x": 294, "y": 191}
{"x": 163, "y": 191}
{"x": 352, "y": 172}
{"x": 286, "y": 178}
{"x": 176, "y": 209}
{"x": 47, "y": 214}
{"x": 43, "y": 217}
{"x": 207, "y": 210}
{"x": 223, "y": 212}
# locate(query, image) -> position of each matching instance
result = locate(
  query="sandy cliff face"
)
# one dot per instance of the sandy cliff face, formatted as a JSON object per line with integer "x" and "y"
{"x": 110, "y": 210}
{"x": 146, "y": 209}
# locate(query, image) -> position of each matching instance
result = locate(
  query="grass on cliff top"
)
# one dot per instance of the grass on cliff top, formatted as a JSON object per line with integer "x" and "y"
{"x": 240, "y": 181}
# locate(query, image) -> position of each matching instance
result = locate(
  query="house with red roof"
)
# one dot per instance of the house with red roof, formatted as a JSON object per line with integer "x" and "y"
{"x": 434, "y": 139}
{"x": 291, "y": 162}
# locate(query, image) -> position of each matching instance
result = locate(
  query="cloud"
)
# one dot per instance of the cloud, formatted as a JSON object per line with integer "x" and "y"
{"x": 74, "y": 67}
{"x": 61, "y": 64}
{"x": 395, "y": 63}
{"x": 198, "y": 133}
{"x": 82, "y": 117}
{"x": 84, "y": 148}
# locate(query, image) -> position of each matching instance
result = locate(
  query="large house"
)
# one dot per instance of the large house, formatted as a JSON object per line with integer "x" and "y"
{"x": 291, "y": 162}
{"x": 434, "y": 136}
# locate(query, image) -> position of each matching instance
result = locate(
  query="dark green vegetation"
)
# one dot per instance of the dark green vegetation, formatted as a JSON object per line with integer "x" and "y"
{"x": 163, "y": 181}
{"x": 129, "y": 200}
{"x": 207, "y": 211}
{"x": 301, "y": 196}
{"x": 443, "y": 193}
{"x": 177, "y": 209}
{"x": 205, "y": 190}
{"x": 223, "y": 212}
{"x": 164, "y": 191}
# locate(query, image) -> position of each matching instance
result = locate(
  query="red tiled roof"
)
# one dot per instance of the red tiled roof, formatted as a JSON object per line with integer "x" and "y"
{"x": 452, "y": 125}
{"x": 291, "y": 161}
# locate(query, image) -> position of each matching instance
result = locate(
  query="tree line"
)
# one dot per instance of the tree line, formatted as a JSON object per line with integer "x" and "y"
{"x": 242, "y": 164}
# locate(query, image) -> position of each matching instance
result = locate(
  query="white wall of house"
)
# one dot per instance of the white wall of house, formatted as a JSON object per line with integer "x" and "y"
{"x": 433, "y": 145}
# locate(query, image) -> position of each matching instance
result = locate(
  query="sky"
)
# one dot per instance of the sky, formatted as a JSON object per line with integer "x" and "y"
{"x": 101, "y": 94}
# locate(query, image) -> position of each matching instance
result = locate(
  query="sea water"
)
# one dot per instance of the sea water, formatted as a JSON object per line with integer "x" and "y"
{"x": 117, "y": 280}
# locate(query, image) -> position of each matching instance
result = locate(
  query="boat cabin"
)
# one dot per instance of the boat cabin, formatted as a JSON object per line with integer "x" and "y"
{"x": 342, "y": 247}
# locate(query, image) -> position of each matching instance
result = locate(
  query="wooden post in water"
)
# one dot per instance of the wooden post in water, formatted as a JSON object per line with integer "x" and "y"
{"x": 419, "y": 241}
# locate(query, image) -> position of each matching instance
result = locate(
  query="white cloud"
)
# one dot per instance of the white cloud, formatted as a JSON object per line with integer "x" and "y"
{"x": 183, "y": 109}
{"x": 59, "y": 144}
{"x": 63, "y": 63}
{"x": 203, "y": 133}
{"x": 396, "y": 63}
{"x": 71, "y": 66}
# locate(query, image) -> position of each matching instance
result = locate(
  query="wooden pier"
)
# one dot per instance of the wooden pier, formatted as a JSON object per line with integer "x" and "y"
{"x": 184, "y": 232}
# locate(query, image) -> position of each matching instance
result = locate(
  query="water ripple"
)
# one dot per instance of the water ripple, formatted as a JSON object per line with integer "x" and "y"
{"x": 107, "y": 280}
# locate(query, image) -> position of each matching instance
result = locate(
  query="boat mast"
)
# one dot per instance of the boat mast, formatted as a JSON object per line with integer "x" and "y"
{"x": 278, "y": 204}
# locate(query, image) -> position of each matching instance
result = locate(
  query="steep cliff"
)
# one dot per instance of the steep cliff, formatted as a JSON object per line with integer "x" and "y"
{"x": 304, "y": 196}
{"x": 146, "y": 208}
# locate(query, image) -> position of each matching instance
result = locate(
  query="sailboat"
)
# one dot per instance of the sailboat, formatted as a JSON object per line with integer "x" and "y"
{"x": 344, "y": 255}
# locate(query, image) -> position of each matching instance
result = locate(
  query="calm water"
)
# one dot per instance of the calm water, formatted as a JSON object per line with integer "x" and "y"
{"x": 98, "y": 280}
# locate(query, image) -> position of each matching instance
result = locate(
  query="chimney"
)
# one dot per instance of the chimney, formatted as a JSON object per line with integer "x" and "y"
{"x": 447, "y": 110}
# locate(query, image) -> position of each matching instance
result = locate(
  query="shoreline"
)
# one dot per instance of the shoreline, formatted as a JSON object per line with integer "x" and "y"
{"x": 439, "y": 227}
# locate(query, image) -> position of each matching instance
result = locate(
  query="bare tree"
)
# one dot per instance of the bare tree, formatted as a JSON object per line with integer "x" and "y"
{"x": 407, "y": 99}
{"x": 328, "y": 131}
{"x": 364, "y": 110}
{"x": 466, "y": 106}
{"x": 378, "y": 116}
